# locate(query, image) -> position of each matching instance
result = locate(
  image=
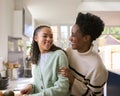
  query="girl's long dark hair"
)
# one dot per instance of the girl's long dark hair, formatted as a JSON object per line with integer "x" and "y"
{"x": 35, "y": 52}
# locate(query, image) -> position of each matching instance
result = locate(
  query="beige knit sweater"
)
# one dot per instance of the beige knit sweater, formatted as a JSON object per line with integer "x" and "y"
{"x": 89, "y": 72}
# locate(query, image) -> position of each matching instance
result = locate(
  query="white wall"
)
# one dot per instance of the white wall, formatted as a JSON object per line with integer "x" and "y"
{"x": 18, "y": 23}
{"x": 6, "y": 20}
{"x": 109, "y": 18}
{"x": 10, "y": 23}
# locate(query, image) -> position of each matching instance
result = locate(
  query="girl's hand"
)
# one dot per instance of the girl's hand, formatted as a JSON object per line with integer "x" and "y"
{"x": 26, "y": 90}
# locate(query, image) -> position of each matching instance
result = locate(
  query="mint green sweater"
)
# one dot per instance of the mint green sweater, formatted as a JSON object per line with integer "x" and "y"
{"x": 50, "y": 82}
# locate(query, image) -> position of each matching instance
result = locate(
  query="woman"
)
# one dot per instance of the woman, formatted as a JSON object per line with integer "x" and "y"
{"x": 87, "y": 73}
{"x": 47, "y": 59}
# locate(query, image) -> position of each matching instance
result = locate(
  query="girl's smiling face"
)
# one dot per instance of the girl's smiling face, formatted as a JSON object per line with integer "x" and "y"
{"x": 44, "y": 38}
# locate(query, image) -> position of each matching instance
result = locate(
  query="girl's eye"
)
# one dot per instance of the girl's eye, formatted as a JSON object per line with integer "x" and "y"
{"x": 45, "y": 36}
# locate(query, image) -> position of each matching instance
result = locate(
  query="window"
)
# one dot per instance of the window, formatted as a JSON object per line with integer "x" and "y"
{"x": 55, "y": 33}
{"x": 109, "y": 45}
{"x": 114, "y": 31}
{"x": 61, "y": 35}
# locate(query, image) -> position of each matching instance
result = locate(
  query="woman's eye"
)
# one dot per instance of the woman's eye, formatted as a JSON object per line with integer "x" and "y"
{"x": 73, "y": 35}
{"x": 45, "y": 36}
{"x": 51, "y": 36}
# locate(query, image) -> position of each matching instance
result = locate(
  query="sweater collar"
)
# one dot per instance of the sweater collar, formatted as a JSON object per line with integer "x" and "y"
{"x": 87, "y": 52}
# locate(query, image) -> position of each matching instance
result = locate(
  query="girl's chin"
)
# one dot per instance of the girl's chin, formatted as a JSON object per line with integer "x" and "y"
{"x": 47, "y": 48}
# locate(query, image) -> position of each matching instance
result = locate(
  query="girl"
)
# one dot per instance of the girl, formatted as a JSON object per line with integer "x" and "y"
{"x": 46, "y": 59}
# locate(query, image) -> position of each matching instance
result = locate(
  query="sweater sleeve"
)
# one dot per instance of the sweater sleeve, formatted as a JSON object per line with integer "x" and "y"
{"x": 98, "y": 79}
{"x": 95, "y": 83}
{"x": 94, "y": 87}
{"x": 61, "y": 86}
{"x": 78, "y": 88}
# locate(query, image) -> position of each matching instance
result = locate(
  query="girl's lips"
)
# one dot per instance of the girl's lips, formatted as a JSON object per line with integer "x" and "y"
{"x": 48, "y": 44}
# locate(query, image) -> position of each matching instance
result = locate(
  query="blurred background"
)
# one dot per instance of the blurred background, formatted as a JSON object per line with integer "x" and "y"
{"x": 20, "y": 17}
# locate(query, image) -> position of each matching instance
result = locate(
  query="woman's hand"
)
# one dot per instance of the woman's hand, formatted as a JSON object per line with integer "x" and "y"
{"x": 67, "y": 73}
{"x": 26, "y": 90}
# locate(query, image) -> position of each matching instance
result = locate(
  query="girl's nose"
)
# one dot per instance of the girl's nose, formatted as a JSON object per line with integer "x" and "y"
{"x": 49, "y": 38}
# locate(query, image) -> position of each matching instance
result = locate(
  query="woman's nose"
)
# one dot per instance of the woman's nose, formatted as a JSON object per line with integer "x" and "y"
{"x": 70, "y": 38}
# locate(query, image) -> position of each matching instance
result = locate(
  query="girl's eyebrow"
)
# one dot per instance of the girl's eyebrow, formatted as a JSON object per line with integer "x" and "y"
{"x": 47, "y": 34}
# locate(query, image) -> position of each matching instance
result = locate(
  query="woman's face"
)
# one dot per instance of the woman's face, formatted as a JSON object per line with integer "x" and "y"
{"x": 44, "y": 38}
{"x": 78, "y": 41}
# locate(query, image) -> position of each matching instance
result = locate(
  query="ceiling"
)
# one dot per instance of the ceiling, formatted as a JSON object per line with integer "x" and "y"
{"x": 65, "y": 11}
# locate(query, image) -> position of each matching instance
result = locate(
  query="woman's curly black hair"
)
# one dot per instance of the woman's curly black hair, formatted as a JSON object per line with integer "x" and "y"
{"x": 35, "y": 52}
{"x": 90, "y": 24}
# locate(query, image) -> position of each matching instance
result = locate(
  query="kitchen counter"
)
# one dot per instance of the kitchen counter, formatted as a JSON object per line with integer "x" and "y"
{"x": 17, "y": 85}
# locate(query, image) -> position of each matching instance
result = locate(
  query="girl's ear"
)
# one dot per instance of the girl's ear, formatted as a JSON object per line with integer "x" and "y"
{"x": 35, "y": 38}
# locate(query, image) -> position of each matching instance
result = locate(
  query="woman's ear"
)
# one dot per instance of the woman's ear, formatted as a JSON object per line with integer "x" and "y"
{"x": 87, "y": 38}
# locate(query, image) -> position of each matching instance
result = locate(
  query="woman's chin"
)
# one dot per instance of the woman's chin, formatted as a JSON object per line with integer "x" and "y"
{"x": 74, "y": 47}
